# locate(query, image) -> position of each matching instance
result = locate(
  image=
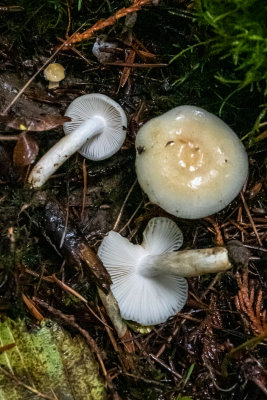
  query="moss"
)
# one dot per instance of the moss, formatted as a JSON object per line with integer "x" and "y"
{"x": 227, "y": 53}
{"x": 236, "y": 31}
{"x": 49, "y": 359}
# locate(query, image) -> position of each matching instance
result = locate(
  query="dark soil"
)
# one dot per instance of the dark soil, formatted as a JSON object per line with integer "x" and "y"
{"x": 191, "y": 355}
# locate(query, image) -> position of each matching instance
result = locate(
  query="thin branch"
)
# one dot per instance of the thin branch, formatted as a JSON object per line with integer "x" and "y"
{"x": 28, "y": 387}
{"x": 123, "y": 206}
{"x": 99, "y": 25}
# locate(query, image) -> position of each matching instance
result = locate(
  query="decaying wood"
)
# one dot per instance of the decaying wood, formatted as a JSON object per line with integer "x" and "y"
{"x": 76, "y": 251}
{"x": 74, "y": 246}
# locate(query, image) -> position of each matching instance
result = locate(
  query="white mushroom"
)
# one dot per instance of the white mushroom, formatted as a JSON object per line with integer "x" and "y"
{"x": 190, "y": 162}
{"x": 148, "y": 279}
{"x": 97, "y": 130}
{"x": 54, "y": 73}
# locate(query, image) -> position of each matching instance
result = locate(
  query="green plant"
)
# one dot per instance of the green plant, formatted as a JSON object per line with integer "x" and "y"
{"x": 231, "y": 35}
{"x": 239, "y": 32}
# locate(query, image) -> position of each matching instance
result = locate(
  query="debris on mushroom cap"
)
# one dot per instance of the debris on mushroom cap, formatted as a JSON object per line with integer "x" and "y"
{"x": 142, "y": 298}
{"x": 54, "y": 73}
{"x": 192, "y": 164}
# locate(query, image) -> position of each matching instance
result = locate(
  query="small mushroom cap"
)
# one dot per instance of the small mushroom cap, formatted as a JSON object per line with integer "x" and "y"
{"x": 93, "y": 105}
{"x": 145, "y": 299}
{"x": 190, "y": 162}
{"x": 54, "y": 72}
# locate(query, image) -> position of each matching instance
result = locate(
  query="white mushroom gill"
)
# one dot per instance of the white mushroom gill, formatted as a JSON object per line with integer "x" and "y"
{"x": 97, "y": 130}
{"x": 145, "y": 299}
{"x": 148, "y": 279}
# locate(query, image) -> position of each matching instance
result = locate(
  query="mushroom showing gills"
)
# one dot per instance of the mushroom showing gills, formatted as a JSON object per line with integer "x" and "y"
{"x": 149, "y": 280}
{"x": 54, "y": 73}
{"x": 97, "y": 130}
{"x": 190, "y": 162}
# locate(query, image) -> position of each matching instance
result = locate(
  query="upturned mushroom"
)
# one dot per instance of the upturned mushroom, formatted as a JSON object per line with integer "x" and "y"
{"x": 189, "y": 162}
{"x": 97, "y": 130}
{"x": 149, "y": 280}
{"x": 54, "y": 73}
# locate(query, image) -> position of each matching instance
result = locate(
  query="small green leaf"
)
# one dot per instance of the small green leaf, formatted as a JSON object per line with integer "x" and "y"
{"x": 79, "y": 4}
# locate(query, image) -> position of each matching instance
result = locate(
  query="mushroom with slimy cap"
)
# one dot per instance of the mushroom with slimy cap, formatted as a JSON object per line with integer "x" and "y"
{"x": 189, "y": 162}
{"x": 97, "y": 130}
{"x": 54, "y": 73}
{"x": 149, "y": 280}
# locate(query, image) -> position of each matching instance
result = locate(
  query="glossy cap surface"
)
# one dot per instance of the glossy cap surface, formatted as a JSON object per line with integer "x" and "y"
{"x": 54, "y": 72}
{"x": 190, "y": 162}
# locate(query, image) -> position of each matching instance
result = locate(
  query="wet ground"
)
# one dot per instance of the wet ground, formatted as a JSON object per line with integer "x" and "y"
{"x": 189, "y": 356}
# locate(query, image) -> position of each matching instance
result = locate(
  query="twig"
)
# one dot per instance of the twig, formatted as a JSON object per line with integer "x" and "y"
{"x": 99, "y": 25}
{"x": 255, "y": 248}
{"x": 33, "y": 77}
{"x": 130, "y": 57}
{"x": 123, "y": 205}
{"x": 250, "y": 219}
{"x": 260, "y": 385}
{"x": 69, "y": 319}
{"x": 141, "y": 378}
{"x": 9, "y": 137}
{"x": 211, "y": 285}
{"x": 77, "y": 52}
{"x": 112, "y": 309}
{"x": 132, "y": 217}
{"x": 68, "y": 289}
{"x": 28, "y": 387}
{"x": 91, "y": 342}
{"x": 235, "y": 352}
{"x": 66, "y": 43}
{"x": 165, "y": 366}
{"x": 32, "y": 308}
{"x": 170, "y": 338}
{"x": 66, "y": 225}
{"x": 134, "y": 65}
{"x": 84, "y": 188}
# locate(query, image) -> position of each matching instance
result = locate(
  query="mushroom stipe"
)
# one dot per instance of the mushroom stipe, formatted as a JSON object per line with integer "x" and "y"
{"x": 149, "y": 280}
{"x": 96, "y": 130}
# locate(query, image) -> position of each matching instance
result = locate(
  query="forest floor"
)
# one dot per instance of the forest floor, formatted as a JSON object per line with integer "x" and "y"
{"x": 205, "y": 351}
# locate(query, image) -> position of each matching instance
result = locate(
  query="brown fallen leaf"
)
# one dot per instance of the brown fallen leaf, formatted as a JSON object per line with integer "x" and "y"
{"x": 25, "y": 151}
{"x": 32, "y": 308}
{"x": 35, "y": 124}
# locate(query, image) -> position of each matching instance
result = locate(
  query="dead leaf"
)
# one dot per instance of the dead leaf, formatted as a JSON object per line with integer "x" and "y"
{"x": 127, "y": 70}
{"x": 35, "y": 124}
{"x": 25, "y": 151}
{"x": 32, "y": 308}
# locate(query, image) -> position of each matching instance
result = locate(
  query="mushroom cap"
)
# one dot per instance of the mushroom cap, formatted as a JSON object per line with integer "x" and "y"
{"x": 145, "y": 299}
{"x": 190, "y": 162}
{"x": 98, "y": 105}
{"x": 54, "y": 72}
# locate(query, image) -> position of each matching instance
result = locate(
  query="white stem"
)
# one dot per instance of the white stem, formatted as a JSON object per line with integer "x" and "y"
{"x": 63, "y": 149}
{"x": 186, "y": 263}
